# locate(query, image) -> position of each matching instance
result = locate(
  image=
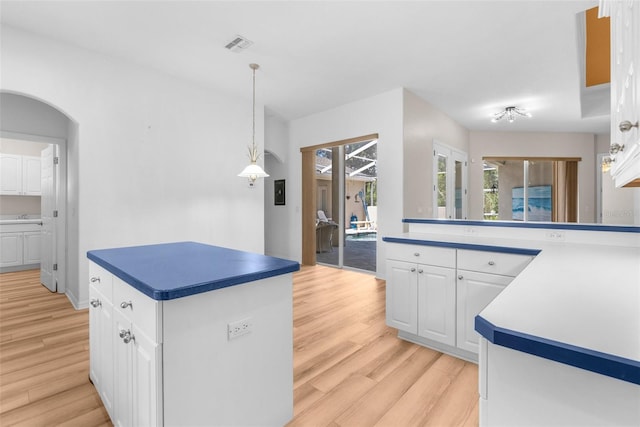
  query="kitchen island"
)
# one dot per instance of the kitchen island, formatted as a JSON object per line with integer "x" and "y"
{"x": 191, "y": 334}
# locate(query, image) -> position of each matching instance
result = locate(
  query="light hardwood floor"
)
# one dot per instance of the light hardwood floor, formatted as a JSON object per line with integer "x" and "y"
{"x": 349, "y": 367}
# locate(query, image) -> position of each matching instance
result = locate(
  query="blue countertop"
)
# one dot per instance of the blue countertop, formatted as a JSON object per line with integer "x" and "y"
{"x": 174, "y": 270}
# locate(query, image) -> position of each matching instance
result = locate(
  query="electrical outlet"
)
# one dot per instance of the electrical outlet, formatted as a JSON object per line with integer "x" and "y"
{"x": 239, "y": 328}
{"x": 557, "y": 236}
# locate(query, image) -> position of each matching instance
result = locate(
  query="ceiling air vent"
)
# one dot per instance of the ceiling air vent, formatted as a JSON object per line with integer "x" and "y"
{"x": 238, "y": 44}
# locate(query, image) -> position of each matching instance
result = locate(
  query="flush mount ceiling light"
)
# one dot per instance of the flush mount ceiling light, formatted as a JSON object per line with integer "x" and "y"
{"x": 253, "y": 171}
{"x": 510, "y": 113}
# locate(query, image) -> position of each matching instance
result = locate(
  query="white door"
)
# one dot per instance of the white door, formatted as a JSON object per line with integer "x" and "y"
{"x": 47, "y": 207}
{"x": 449, "y": 182}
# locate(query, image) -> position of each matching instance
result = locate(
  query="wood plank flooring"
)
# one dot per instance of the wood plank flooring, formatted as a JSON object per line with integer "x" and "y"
{"x": 349, "y": 367}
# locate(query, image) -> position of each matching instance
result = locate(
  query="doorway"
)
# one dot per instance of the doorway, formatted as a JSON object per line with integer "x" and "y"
{"x": 339, "y": 209}
{"x": 47, "y": 205}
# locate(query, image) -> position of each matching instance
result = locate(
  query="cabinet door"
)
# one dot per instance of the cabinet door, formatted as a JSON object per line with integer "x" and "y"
{"x": 475, "y": 291}
{"x": 31, "y": 181}
{"x": 122, "y": 371}
{"x": 402, "y": 296}
{"x": 10, "y": 174}
{"x": 146, "y": 378}
{"x": 625, "y": 90}
{"x": 31, "y": 247}
{"x": 101, "y": 339}
{"x": 437, "y": 303}
{"x": 11, "y": 249}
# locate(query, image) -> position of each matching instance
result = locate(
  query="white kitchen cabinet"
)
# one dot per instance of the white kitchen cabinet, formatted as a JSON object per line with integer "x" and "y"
{"x": 31, "y": 247}
{"x": 11, "y": 252}
{"x": 437, "y": 303}
{"x": 402, "y": 296}
{"x": 19, "y": 175}
{"x": 101, "y": 334}
{"x": 625, "y": 90}
{"x": 474, "y": 292}
{"x": 20, "y": 245}
{"x": 434, "y": 293}
{"x": 124, "y": 363}
{"x": 136, "y": 359}
{"x": 173, "y": 361}
{"x": 10, "y": 174}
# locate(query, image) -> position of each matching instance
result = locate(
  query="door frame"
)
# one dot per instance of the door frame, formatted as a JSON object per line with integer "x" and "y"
{"x": 60, "y": 251}
{"x": 309, "y": 194}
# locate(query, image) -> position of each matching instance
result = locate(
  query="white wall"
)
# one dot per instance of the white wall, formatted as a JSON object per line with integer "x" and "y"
{"x": 534, "y": 144}
{"x": 153, "y": 158}
{"x": 380, "y": 114}
{"x": 276, "y": 218}
{"x": 422, "y": 124}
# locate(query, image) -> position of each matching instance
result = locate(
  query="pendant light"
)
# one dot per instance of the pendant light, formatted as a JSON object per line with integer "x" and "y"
{"x": 253, "y": 171}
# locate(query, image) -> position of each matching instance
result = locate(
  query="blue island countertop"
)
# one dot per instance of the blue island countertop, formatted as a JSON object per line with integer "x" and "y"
{"x": 174, "y": 270}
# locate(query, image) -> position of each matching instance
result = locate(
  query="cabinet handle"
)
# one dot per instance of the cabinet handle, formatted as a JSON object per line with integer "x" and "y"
{"x": 626, "y": 126}
{"x": 413, "y": 270}
{"x": 125, "y": 304}
{"x": 460, "y": 277}
{"x": 416, "y": 254}
{"x": 420, "y": 271}
{"x": 492, "y": 263}
{"x": 95, "y": 279}
{"x": 126, "y": 336}
{"x": 95, "y": 303}
{"x": 615, "y": 148}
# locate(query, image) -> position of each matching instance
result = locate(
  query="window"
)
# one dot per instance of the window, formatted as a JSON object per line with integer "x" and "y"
{"x": 449, "y": 182}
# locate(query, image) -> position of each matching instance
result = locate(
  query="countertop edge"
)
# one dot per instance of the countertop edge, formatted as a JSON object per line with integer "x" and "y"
{"x": 601, "y": 363}
{"x": 160, "y": 295}
{"x": 520, "y": 224}
{"x": 458, "y": 245}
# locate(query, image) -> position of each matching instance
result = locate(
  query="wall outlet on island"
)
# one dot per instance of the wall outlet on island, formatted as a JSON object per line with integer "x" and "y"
{"x": 239, "y": 328}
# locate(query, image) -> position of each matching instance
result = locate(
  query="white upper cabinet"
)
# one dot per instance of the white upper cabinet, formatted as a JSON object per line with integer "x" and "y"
{"x": 625, "y": 90}
{"x": 19, "y": 175}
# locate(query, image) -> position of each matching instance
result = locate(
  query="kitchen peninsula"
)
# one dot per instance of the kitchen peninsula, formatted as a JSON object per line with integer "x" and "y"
{"x": 191, "y": 334}
{"x": 559, "y": 341}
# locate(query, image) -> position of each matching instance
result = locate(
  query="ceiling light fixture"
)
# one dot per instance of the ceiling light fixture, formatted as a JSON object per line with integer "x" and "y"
{"x": 510, "y": 113}
{"x": 254, "y": 170}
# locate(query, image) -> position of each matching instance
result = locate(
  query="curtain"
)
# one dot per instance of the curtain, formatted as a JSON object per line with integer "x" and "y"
{"x": 565, "y": 191}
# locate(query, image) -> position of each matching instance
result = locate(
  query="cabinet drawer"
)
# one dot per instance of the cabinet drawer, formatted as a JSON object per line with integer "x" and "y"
{"x": 492, "y": 262}
{"x": 429, "y": 255}
{"x": 102, "y": 280}
{"x": 137, "y": 307}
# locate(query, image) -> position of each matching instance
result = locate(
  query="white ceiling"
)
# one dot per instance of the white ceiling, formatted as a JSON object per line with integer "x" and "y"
{"x": 469, "y": 59}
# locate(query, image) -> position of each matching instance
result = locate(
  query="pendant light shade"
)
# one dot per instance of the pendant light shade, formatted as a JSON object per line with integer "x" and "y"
{"x": 254, "y": 170}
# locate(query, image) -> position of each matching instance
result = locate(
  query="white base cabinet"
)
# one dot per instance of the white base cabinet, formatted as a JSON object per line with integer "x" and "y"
{"x": 20, "y": 245}
{"x": 172, "y": 363}
{"x": 434, "y": 294}
{"x": 518, "y": 389}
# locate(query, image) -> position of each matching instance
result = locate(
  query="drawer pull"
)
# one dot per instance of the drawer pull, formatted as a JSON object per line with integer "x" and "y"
{"x": 95, "y": 303}
{"x": 95, "y": 279}
{"x": 460, "y": 277}
{"x": 416, "y": 254}
{"x": 125, "y": 304}
{"x": 420, "y": 271}
{"x": 492, "y": 263}
{"x": 413, "y": 270}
